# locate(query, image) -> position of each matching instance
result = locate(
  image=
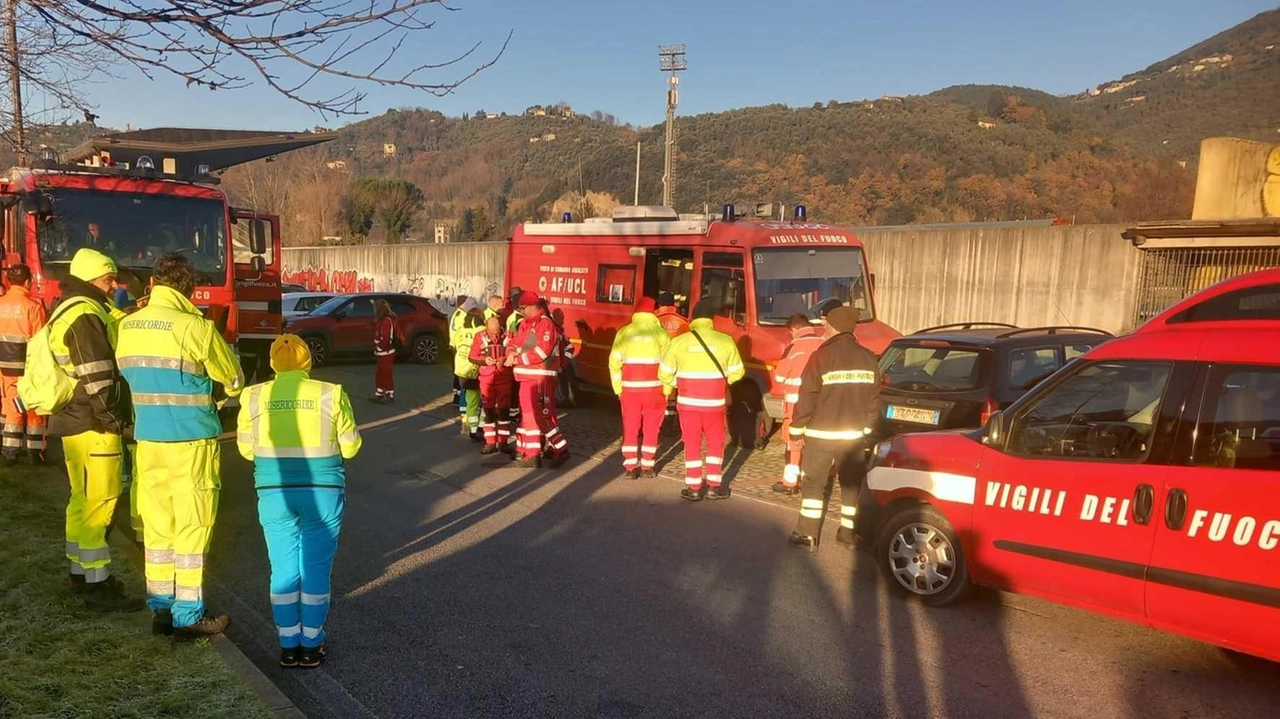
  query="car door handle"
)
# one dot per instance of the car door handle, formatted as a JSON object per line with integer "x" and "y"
{"x": 1144, "y": 499}
{"x": 1175, "y": 509}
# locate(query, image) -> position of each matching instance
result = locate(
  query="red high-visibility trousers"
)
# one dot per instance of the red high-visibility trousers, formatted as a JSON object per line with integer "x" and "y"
{"x": 495, "y": 400}
{"x": 384, "y": 376}
{"x": 538, "y": 418}
{"x": 696, "y": 425}
{"x": 642, "y": 415}
{"x": 22, "y": 430}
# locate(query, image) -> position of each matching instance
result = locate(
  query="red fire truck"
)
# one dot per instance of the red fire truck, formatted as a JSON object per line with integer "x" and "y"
{"x": 756, "y": 272}
{"x": 139, "y": 195}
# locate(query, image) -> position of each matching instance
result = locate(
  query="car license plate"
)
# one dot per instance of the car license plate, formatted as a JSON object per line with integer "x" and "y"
{"x": 913, "y": 414}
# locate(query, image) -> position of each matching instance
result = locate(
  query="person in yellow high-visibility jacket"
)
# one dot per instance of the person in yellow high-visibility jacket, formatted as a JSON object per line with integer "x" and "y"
{"x": 82, "y": 337}
{"x": 172, "y": 357}
{"x": 297, "y": 432}
{"x": 633, "y": 371}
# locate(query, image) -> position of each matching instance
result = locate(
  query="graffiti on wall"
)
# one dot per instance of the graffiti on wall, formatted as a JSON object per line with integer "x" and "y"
{"x": 336, "y": 281}
{"x": 441, "y": 290}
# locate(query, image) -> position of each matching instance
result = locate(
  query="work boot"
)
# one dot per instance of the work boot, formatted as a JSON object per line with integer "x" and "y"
{"x": 648, "y": 473}
{"x": 312, "y": 657}
{"x": 630, "y": 474}
{"x": 558, "y": 459}
{"x": 788, "y": 489}
{"x": 477, "y": 436}
{"x": 109, "y": 596}
{"x": 527, "y": 462}
{"x": 76, "y": 581}
{"x": 289, "y": 656}
{"x": 803, "y": 541}
{"x": 162, "y": 623}
{"x": 718, "y": 491}
{"x": 693, "y": 494}
{"x": 208, "y": 626}
{"x": 489, "y": 448}
{"x": 847, "y": 537}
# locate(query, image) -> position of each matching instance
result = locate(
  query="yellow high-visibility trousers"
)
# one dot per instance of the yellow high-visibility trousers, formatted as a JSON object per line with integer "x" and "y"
{"x": 93, "y": 469}
{"x": 129, "y": 473}
{"x": 178, "y": 485}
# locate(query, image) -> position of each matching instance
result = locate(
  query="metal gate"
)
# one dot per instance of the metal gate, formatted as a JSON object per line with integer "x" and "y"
{"x": 1170, "y": 275}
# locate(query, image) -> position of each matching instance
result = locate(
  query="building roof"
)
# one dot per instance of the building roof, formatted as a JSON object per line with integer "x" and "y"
{"x": 1254, "y": 232}
{"x": 188, "y": 147}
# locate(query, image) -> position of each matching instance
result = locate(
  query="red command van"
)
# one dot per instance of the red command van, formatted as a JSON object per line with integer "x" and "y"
{"x": 1140, "y": 481}
{"x": 758, "y": 273}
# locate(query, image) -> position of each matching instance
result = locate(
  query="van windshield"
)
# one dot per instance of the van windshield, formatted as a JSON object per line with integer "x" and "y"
{"x": 800, "y": 279}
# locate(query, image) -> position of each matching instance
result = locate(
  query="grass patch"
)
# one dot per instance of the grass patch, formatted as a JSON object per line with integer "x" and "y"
{"x": 59, "y": 660}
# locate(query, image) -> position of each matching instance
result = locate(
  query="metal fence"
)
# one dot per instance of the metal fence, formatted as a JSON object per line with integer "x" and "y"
{"x": 1168, "y": 276}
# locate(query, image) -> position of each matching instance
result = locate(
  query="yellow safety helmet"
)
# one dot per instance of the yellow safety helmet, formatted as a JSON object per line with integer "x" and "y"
{"x": 289, "y": 352}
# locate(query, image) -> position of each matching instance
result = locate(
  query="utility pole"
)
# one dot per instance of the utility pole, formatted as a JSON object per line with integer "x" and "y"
{"x": 15, "y": 82}
{"x": 672, "y": 59}
{"x": 636, "y": 201}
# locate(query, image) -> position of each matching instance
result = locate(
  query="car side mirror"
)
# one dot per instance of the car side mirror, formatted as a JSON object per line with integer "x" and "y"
{"x": 257, "y": 239}
{"x": 340, "y": 315}
{"x": 995, "y": 429}
{"x": 257, "y": 265}
{"x": 871, "y": 280}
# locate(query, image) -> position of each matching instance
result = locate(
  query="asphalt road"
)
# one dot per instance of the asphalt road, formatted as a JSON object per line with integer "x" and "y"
{"x": 464, "y": 588}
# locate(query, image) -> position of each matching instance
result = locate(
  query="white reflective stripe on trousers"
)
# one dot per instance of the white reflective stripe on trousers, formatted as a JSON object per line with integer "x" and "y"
{"x": 811, "y": 508}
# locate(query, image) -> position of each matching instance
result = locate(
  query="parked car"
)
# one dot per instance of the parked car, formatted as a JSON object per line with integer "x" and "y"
{"x": 343, "y": 327}
{"x": 1141, "y": 481}
{"x": 290, "y": 287}
{"x": 955, "y": 376}
{"x": 294, "y": 304}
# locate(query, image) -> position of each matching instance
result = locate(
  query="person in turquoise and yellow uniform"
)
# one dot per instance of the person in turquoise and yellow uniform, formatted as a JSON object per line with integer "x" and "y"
{"x": 297, "y": 432}
{"x": 172, "y": 358}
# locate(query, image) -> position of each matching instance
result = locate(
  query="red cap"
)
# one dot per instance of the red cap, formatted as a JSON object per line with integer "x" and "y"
{"x": 646, "y": 304}
{"x": 527, "y": 299}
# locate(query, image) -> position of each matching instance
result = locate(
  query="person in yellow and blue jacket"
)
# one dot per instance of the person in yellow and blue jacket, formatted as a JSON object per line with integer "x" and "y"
{"x": 172, "y": 357}
{"x": 467, "y": 373}
{"x": 298, "y": 431}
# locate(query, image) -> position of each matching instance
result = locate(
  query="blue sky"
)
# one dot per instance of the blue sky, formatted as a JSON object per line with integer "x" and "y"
{"x": 602, "y": 54}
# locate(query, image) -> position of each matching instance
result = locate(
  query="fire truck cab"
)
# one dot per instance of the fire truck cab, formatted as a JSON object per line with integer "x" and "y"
{"x": 757, "y": 273}
{"x": 139, "y": 195}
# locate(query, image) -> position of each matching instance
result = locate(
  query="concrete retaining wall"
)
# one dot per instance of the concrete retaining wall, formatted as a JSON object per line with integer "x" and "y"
{"x": 438, "y": 272}
{"x": 1027, "y": 276}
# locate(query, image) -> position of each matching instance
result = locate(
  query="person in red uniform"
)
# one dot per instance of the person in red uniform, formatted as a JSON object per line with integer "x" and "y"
{"x": 21, "y": 317}
{"x": 805, "y": 338}
{"x": 384, "y": 350}
{"x": 675, "y": 324}
{"x": 489, "y": 351}
{"x": 534, "y": 354}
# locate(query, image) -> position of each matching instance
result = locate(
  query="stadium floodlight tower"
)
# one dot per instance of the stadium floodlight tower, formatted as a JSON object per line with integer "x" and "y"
{"x": 672, "y": 60}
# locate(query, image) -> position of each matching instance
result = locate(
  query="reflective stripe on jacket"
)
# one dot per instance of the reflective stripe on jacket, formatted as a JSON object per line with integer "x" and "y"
{"x": 637, "y": 352}
{"x": 297, "y": 431}
{"x": 171, "y": 356}
{"x": 536, "y": 346}
{"x": 839, "y": 391}
{"x": 464, "y": 338}
{"x": 687, "y": 367}
{"x": 82, "y": 337}
{"x": 20, "y": 319}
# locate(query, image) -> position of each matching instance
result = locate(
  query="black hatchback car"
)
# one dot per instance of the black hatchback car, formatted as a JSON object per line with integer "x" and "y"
{"x": 955, "y": 376}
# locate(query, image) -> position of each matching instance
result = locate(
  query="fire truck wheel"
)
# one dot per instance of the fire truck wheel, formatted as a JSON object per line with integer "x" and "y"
{"x": 319, "y": 350}
{"x": 920, "y": 555}
{"x": 425, "y": 349}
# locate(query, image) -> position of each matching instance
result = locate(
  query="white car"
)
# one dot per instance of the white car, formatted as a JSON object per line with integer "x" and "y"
{"x": 296, "y": 304}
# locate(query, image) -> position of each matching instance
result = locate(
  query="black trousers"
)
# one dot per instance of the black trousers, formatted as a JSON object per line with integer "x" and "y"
{"x": 816, "y": 460}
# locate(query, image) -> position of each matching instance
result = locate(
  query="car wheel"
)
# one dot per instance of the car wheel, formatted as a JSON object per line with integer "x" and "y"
{"x": 425, "y": 349}
{"x": 319, "y": 350}
{"x": 919, "y": 553}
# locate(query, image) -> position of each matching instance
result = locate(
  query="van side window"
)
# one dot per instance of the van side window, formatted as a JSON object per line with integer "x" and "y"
{"x": 1239, "y": 424}
{"x": 616, "y": 284}
{"x": 1105, "y": 410}
{"x": 726, "y": 290}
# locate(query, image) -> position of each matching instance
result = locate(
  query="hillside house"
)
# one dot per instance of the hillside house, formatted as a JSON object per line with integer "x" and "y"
{"x": 388, "y": 149}
{"x": 336, "y": 164}
{"x": 443, "y": 230}
{"x": 986, "y": 125}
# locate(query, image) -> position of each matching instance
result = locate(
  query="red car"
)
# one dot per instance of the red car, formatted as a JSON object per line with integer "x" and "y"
{"x": 1140, "y": 481}
{"x": 343, "y": 327}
